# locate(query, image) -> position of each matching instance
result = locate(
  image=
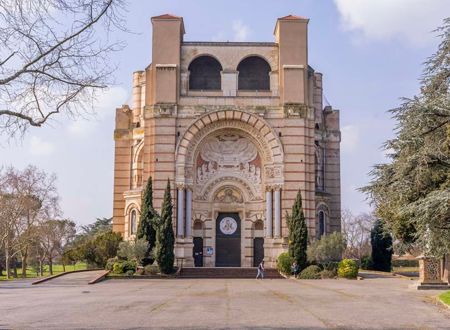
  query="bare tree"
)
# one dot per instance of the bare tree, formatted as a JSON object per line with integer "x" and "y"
{"x": 53, "y": 236}
{"x": 27, "y": 198}
{"x": 54, "y": 57}
{"x": 356, "y": 232}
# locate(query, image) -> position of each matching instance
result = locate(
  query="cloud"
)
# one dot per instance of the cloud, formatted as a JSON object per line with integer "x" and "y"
{"x": 39, "y": 147}
{"x": 240, "y": 30}
{"x": 104, "y": 107}
{"x": 350, "y": 138}
{"x": 411, "y": 21}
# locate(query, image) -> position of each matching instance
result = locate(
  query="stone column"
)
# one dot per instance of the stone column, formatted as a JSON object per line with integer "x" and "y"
{"x": 277, "y": 211}
{"x": 269, "y": 232}
{"x": 188, "y": 212}
{"x": 180, "y": 211}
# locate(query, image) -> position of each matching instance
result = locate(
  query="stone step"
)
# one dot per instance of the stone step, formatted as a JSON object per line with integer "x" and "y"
{"x": 226, "y": 272}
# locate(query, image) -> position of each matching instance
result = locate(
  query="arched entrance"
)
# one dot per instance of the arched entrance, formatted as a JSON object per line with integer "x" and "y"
{"x": 226, "y": 160}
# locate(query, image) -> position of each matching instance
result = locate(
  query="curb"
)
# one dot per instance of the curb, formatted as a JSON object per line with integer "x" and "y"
{"x": 45, "y": 279}
{"x": 99, "y": 278}
{"x": 442, "y": 302}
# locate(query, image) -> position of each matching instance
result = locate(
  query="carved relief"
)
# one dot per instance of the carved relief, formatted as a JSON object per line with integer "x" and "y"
{"x": 228, "y": 156}
{"x": 228, "y": 195}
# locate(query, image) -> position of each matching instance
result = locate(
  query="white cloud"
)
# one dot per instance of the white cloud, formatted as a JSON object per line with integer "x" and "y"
{"x": 105, "y": 106}
{"x": 350, "y": 138}
{"x": 407, "y": 20}
{"x": 240, "y": 30}
{"x": 39, "y": 147}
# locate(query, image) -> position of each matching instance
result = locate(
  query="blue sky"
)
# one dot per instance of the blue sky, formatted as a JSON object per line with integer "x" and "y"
{"x": 370, "y": 53}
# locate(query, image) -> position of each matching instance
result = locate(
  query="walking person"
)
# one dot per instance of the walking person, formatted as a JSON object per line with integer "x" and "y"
{"x": 295, "y": 269}
{"x": 260, "y": 270}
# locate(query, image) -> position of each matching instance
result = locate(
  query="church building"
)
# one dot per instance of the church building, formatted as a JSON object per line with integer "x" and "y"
{"x": 238, "y": 128}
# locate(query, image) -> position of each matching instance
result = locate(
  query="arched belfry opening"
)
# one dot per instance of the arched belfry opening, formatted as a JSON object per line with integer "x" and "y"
{"x": 254, "y": 74}
{"x": 204, "y": 74}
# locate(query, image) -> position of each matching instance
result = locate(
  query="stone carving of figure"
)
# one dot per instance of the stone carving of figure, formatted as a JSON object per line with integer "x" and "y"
{"x": 199, "y": 174}
{"x": 211, "y": 167}
{"x": 258, "y": 174}
{"x": 204, "y": 167}
{"x": 252, "y": 170}
{"x": 246, "y": 167}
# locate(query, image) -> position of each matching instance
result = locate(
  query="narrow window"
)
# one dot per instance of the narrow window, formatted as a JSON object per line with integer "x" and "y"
{"x": 321, "y": 224}
{"x": 133, "y": 222}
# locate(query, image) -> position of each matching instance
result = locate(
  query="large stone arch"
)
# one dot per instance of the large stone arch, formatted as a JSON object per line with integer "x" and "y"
{"x": 253, "y": 126}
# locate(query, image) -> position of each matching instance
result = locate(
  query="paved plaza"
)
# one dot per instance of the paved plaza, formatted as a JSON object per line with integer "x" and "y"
{"x": 220, "y": 303}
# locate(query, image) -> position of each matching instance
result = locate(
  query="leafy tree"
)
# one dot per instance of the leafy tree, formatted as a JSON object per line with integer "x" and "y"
{"x": 298, "y": 233}
{"x": 98, "y": 249}
{"x": 164, "y": 236}
{"x": 381, "y": 242}
{"x": 146, "y": 229}
{"x": 411, "y": 193}
{"x": 100, "y": 225}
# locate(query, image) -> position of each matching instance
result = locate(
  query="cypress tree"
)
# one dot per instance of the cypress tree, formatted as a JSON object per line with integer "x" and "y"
{"x": 146, "y": 229}
{"x": 298, "y": 233}
{"x": 164, "y": 236}
{"x": 381, "y": 247}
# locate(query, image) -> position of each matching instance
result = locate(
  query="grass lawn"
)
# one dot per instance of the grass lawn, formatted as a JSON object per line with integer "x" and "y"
{"x": 56, "y": 269}
{"x": 445, "y": 298}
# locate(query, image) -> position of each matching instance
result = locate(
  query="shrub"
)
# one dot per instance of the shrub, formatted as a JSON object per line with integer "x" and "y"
{"x": 284, "y": 263}
{"x": 133, "y": 251}
{"x": 348, "y": 268}
{"x": 129, "y": 272}
{"x": 327, "y": 249}
{"x": 121, "y": 267}
{"x": 310, "y": 273}
{"x": 151, "y": 270}
{"x": 298, "y": 233}
{"x": 110, "y": 263}
{"x": 366, "y": 262}
{"x": 328, "y": 274}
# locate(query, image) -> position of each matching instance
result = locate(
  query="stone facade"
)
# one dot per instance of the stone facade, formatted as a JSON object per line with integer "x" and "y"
{"x": 234, "y": 154}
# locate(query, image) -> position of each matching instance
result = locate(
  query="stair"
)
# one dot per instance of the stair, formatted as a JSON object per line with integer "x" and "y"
{"x": 226, "y": 272}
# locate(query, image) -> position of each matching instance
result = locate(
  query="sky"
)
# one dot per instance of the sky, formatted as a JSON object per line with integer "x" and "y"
{"x": 371, "y": 54}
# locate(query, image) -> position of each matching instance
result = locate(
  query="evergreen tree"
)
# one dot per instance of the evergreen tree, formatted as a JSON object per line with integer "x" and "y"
{"x": 411, "y": 192}
{"x": 146, "y": 229}
{"x": 298, "y": 233}
{"x": 164, "y": 236}
{"x": 381, "y": 248}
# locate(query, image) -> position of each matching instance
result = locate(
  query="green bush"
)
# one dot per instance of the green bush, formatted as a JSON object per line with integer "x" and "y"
{"x": 284, "y": 263}
{"x": 366, "y": 262}
{"x": 327, "y": 249}
{"x": 130, "y": 272}
{"x": 110, "y": 263}
{"x": 310, "y": 273}
{"x": 348, "y": 268}
{"x": 328, "y": 273}
{"x": 121, "y": 267}
{"x": 151, "y": 270}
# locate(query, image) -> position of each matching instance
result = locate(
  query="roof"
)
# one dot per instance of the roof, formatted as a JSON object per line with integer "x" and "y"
{"x": 170, "y": 16}
{"x": 167, "y": 16}
{"x": 292, "y": 17}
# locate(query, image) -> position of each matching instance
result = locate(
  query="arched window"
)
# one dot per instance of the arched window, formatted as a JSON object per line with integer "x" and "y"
{"x": 254, "y": 74}
{"x": 133, "y": 222}
{"x": 204, "y": 74}
{"x": 321, "y": 224}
